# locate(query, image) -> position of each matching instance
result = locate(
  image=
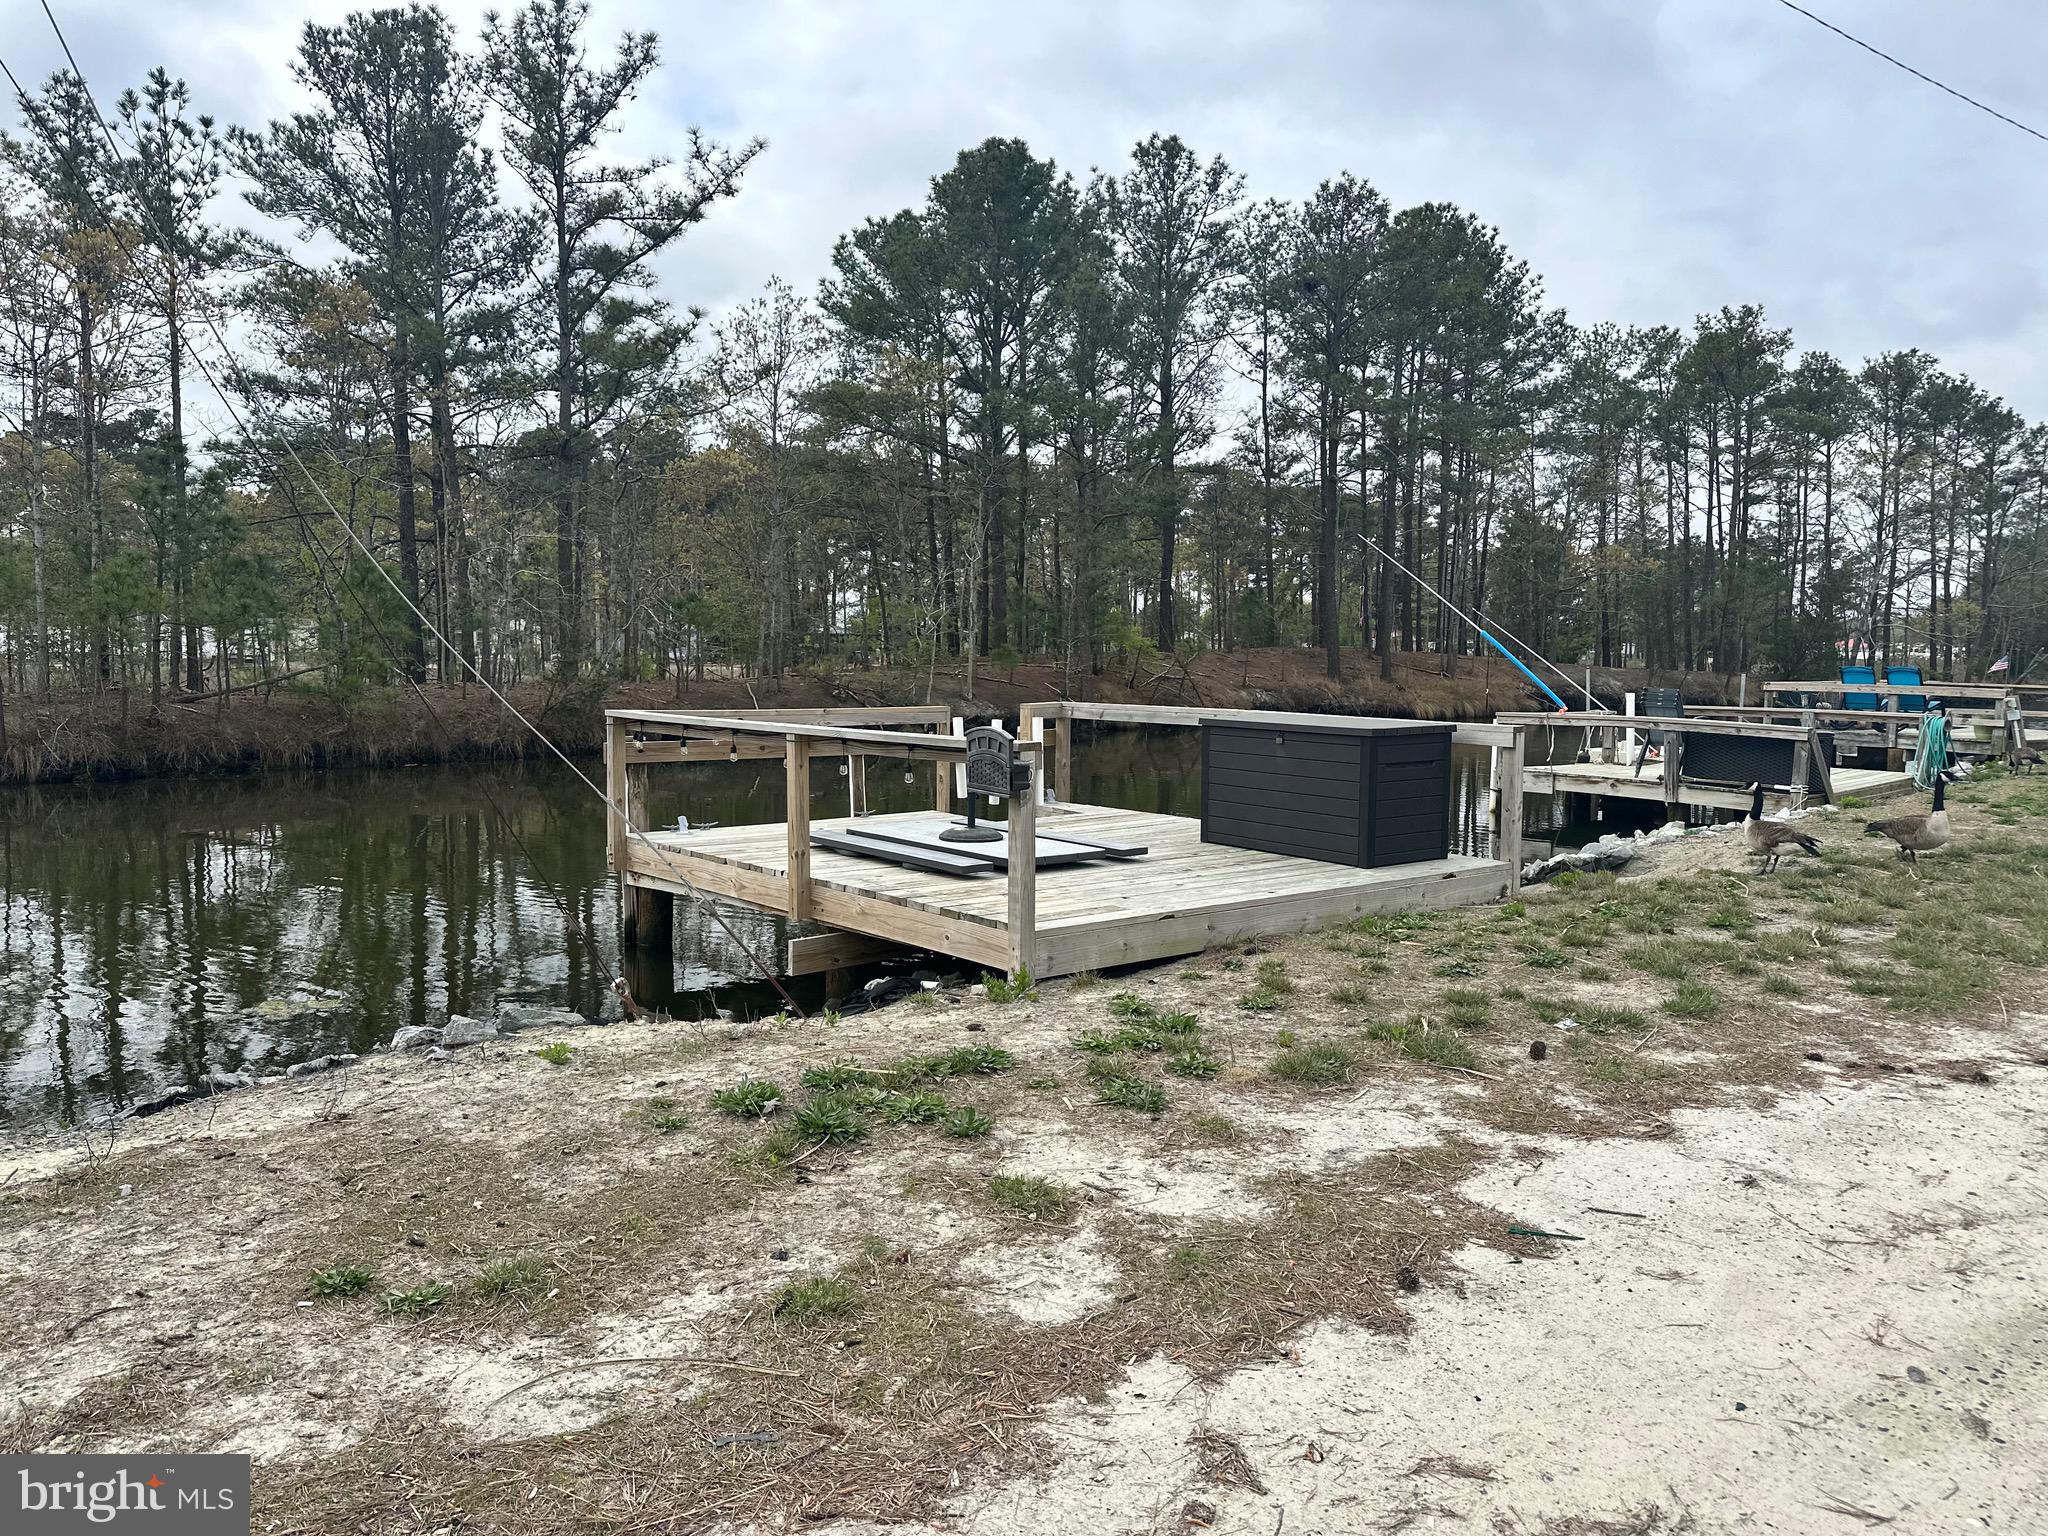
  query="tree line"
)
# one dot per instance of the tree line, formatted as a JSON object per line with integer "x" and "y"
{"x": 1098, "y": 419}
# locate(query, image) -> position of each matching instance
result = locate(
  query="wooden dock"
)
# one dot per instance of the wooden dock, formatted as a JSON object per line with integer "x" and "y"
{"x": 1181, "y": 897}
{"x": 1619, "y": 781}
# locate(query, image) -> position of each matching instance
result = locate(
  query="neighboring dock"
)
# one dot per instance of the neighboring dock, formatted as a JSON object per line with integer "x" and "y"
{"x": 1703, "y": 763}
{"x": 1182, "y": 897}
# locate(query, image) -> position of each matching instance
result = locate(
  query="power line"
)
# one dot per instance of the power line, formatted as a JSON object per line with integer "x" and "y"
{"x": 362, "y": 548}
{"x": 1897, "y": 63}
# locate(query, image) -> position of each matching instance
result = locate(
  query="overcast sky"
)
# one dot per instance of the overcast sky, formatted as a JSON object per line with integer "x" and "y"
{"x": 1650, "y": 159}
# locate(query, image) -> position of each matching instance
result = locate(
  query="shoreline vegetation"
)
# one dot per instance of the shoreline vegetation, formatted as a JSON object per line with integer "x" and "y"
{"x": 1252, "y": 1229}
{"x": 115, "y": 736}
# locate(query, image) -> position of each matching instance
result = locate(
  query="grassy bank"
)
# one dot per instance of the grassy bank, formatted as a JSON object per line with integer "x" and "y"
{"x": 113, "y": 736}
{"x": 894, "y": 1267}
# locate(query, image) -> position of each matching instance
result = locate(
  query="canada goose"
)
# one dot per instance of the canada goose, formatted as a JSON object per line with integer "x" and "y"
{"x": 1771, "y": 838}
{"x": 1921, "y": 832}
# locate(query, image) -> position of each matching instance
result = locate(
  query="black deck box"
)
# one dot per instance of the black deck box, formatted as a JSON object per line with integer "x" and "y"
{"x": 1369, "y": 793}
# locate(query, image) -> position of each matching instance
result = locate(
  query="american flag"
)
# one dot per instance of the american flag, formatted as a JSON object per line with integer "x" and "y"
{"x": 2001, "y": 664}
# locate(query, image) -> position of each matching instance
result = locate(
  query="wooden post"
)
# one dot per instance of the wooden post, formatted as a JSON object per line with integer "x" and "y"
{"x": 1802, "y": 769}
{"x": 796, "y": 762}
{"x": 1023, "y": 873}
{"x": 1507, "y": 836}
{"x": 1674, "y": 776}
{"x": 1063, "y": 761}
{"x": 650, "y": 914}
{"x": 615, "y": 793}
{"x": 942, "y": 785}
{"x": 1031, "y": 726}
{"x": 960, "y": 768}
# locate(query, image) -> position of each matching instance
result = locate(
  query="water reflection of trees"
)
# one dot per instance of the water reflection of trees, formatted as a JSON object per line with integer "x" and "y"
{"x": 141, "y": 922}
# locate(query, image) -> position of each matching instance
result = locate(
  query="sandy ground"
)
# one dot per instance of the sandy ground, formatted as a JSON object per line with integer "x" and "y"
{"x": 1806, "y": 1298}
{"x": 1834, "y": 1306}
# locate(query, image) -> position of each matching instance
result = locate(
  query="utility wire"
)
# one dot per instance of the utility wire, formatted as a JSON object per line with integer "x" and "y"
{"x": 1897, "y": 63}
{"x": 356, "y": 539}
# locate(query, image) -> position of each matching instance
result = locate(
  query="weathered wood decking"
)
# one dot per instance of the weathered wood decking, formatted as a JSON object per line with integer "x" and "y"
{"x": 1182, "y": 897}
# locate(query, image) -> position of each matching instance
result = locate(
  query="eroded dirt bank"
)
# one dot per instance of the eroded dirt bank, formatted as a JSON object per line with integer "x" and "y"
{"x": 1244, "y": 1240}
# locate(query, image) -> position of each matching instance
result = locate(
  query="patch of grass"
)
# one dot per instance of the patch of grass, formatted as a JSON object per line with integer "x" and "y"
{"x": 1692, "y": 1000}
{"x": 1544, "y": 957}
{"x": 1128, "y": 1005}
{"x": 806, "y": 1303}
{"x": 1081, "y": 981}
{"x": 1028, "y": 1195}
{"x": 342, "y": 1280}
{"x": 750, "y": 1098}
{"x": 1019, "y": 988}
{"x": 1513, "y": 911}
{"x": 828, "y": 1117}
{"x": 779, "y": 1147}
{"x": 1177, "y": 1026}
{"x": 1193, "y": 1063}
{"x": 1393, "y": 926}
{"x": 1457, "y": 968}
{"x": 838, "y": 1076}
{"x": 970, "y": 1061}
{"x": 1319, "y": 1065}
{"x": 1468, "y": 1008}
{"x": 662, "y": 1115}
{"x": 967, "y": 1123}
{"x": 1215, "y": 1130}
{"x": 1127, "y": 1090}
{"x": 556, "y": 1053}
{"x": 1671, "y": 959}
{"x": 1346, "y": 995}
{"x": 1259, "y": 1001}
{"x": 1778, "y": 984}
{"x": 509, "y": 1277}
{"x": 1272, "y": 977}
{"x": 1421, "y": 1041}
{"x": 921, "y": 1106}
{"x": 418, "y": 1301}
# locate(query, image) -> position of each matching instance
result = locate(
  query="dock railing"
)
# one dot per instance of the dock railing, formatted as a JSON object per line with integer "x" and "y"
{"x": 1053, "y": 722}
{"x": 1616, "y": 732}
{"x": 639, "y": 739}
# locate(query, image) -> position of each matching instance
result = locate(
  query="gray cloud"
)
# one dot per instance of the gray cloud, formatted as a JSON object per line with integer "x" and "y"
{"x": 1651, "y": 159}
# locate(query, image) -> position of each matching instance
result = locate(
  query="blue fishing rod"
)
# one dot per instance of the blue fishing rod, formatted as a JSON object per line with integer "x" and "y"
{"x": 1487, "y": 635}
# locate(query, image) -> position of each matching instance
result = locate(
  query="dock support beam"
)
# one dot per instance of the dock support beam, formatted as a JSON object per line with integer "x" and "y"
{"x": 1023, "y": 874}
{"x": 797, "y": 811}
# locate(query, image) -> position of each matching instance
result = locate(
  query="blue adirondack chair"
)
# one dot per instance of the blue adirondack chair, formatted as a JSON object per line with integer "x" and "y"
{"x": 1859, "y": 700}
{"x": 1906, "y": 677}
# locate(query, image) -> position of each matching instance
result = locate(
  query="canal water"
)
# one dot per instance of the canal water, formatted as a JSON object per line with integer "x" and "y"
{"x": 154, "y": 931}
